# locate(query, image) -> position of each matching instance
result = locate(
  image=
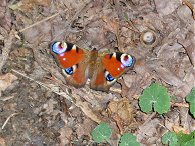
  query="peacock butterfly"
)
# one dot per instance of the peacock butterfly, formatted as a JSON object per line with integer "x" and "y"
{"x": 103, "y": 69}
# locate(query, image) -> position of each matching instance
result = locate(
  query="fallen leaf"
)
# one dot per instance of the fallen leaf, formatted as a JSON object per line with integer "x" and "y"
{"x": 123, "y": 109}
{"x": 6, "y": 80}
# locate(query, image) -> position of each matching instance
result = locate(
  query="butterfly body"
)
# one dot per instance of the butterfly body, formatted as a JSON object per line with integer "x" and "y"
{"x": 78, "y": 65}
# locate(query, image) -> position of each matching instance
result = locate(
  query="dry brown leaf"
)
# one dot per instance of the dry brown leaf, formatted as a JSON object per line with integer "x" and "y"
{"x": 122, "y": 109}
{"x": 6, "y": 80}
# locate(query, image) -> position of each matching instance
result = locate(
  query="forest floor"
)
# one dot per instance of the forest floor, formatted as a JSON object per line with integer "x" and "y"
{"x": 38, "y": 108}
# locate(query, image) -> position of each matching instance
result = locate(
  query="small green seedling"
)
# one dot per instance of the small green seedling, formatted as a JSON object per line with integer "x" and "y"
{"x": 170, "y": 138}
{"x": 155, "y": 98}
{"x": 128, "y": 139}
{"x": 102, "y": 133}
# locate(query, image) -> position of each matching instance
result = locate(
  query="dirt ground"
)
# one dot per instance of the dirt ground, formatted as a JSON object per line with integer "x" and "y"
{"x": 38, "y": 108}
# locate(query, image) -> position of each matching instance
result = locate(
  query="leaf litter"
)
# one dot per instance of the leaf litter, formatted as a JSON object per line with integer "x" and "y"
{"x": 28, "y": 27}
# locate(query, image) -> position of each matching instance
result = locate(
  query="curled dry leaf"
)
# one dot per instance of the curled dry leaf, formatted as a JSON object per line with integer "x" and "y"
{"x": 6, "y": 81}
{"x": 122, "y": 109}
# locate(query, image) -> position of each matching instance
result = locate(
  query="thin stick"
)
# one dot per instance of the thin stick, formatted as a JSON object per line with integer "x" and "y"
{"x": 37, "y": 23}
{"x": 180, "y": 104}
{"x": 8, "y": 120}
{"x": 43, "y": 85}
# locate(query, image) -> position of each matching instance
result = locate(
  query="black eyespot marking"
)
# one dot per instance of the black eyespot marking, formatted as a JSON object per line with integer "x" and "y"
{"x": 118, "y": 56}
{"x": 69, "y": 46}
{"x": 111, "y": 55}
{"x": 77, "y": 49}
{"x": 69, "y": 70}
{"x": 109, "y": 78}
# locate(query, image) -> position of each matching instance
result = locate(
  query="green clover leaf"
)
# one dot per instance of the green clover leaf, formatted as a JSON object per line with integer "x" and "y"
{"x": 102, "y": 133}
{"x": 155, "y": 98}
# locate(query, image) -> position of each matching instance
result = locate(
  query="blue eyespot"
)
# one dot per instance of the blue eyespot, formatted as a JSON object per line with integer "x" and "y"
{"x": 69, "y": 70}
{"x": 57, "y": 48}
{"x": 128, "y": 61}
{"x": 131, "y": 61}
{"x": 109, "y": 78}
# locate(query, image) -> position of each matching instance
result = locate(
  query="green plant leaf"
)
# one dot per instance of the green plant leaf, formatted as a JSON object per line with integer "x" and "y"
{"x": 170, "y": 138}
{"x": 102, "y": 133}
{"x": 185, "y": 139}
{"x": 128, "y": 139}
{"x": 155, "y": 98}
{"x": 191, "y": 99}
{"x": 180, "y": 139}
{"x": 190, "y": 143}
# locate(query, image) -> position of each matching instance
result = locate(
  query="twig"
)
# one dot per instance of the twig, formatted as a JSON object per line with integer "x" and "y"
{"x": 180, "y": 104}
{"x": 115, "y": 90}
{"x": 43, "y": 85}
{"x": 37, "y": 23}
{"x": 8, "y": 120}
